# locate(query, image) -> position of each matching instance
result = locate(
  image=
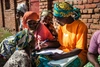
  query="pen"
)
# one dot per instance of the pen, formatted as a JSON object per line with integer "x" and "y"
{"x": 44, "y": 42}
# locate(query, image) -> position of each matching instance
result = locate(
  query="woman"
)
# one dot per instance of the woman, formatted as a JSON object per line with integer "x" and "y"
{"x": 46, "y": 19}
{"x": 25, "y": 43}
{"x": 72, "y": 35}
{"x": 72, "y": 32}
{"x": 41, "y": 33}
{"x": 94, "y": 51}
{"x": 21, "y": 9}
{"x": 44, "y": 39}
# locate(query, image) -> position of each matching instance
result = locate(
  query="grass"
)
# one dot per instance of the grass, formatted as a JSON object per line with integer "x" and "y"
{"x": 4, "y": 34}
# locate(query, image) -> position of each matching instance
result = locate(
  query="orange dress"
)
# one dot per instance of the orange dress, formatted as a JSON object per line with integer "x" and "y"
{"x": 73, "y": 36}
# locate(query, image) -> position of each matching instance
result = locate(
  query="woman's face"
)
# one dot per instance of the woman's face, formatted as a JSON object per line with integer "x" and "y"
{"x": 32, "y": 24}
{"x": 46, "y": 20}
{"x": 61, "y": 21}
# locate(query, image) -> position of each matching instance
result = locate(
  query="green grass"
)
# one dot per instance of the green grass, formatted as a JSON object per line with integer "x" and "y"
{"x": 4, "y": 34}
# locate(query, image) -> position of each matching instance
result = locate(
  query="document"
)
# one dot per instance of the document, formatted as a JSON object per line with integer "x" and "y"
{"x": 62, "y": 62}
{"x": 50, "y": 51}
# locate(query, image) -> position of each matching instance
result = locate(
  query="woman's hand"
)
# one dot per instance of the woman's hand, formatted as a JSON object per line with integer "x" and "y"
{"x": 96, "y": 65}
{"x": 41, "y": 45}
{"x": 37, "y": 45}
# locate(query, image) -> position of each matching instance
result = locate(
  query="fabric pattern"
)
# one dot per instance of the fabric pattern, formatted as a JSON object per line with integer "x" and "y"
{"x": 22, "y": 39}
{"x": 18, "y": 59}
{"x": 46, "y": 13}
{"x": 7, "y": 46}
{"x": 11, "y": 43}
{"x": 64, "y": 9}
{"x": 43, "y": 60}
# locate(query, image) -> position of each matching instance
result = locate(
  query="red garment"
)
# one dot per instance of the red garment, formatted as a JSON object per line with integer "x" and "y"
{"x": 42, "y": 33}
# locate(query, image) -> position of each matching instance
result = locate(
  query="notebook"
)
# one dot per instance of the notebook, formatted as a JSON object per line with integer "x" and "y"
{"x": 62, "y": 62}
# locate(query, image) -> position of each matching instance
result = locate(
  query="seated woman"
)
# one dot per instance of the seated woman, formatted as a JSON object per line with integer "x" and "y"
{"x": 46, "y": 19}
{"x": 41, "y": 32}
{"x": 25, "y": 43}
{"x": 8, "y": 45}
{"x": 72, "y": 35}
{"x": 94, "y": 51}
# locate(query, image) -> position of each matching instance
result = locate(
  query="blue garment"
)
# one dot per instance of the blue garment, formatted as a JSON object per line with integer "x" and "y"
{"x": 42, "y": 61}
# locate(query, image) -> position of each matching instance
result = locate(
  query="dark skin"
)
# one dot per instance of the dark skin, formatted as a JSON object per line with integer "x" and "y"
{"x": 93, "y": 58}
{"x": 76, "y": 51}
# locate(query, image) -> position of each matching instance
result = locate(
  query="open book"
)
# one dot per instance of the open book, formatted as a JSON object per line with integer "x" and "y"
{"x": 50, "y": 51}
{"x": 62, "y": 62}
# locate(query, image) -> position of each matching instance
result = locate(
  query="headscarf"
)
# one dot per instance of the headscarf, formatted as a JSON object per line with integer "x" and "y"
{"x": 22, "y": 7}
{"x": 29, "y": 15}
{"x": 22, "y": 39}
{"x": 64, "y": 9}
{"x": 47, "y": 13}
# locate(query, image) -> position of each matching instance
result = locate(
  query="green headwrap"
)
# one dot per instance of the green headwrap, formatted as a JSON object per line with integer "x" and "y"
{"x": 64, "y": 9}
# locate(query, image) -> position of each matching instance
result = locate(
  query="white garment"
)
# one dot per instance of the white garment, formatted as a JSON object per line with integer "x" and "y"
{"x": 18, "y": 59}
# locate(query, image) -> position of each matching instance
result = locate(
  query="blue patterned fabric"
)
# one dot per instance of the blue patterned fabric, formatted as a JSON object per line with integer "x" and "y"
{"x": 7, "y": 46}
{"x": 19, "y": 41}
{"x": 42, "y": 61}
{"x": 22, "y": 39}
{"x": 64, "y": 9}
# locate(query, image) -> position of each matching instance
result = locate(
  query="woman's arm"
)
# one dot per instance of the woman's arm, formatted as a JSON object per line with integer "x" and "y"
{"x": 93, "y": 59}
{"x": 50, "y": 44}
{"x": 65, "y": 55}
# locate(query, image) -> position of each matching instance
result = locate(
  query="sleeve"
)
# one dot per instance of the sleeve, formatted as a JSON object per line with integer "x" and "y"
{"x": 50, "y": 36}
{"x": 81, "y": 37}
{"x": 60, "y": 35}
{"x": 48, "y": 33}
{"x": 93, "y": 47}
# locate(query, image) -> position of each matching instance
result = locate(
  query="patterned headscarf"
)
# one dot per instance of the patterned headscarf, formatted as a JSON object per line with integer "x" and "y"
{"x": 64, "y": 9}
{"x": 29, "y": 15}
{"x": 23, "y": 38}
{"x": 47, "y": 13}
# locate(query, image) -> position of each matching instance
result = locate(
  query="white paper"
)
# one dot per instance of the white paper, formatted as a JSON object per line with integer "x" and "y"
{"x": 50, "y": 51}
{"x": 62, "y": 62}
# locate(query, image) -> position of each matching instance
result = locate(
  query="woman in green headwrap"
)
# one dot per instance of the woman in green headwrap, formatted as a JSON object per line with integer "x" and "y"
{"x": 72, "y": 36}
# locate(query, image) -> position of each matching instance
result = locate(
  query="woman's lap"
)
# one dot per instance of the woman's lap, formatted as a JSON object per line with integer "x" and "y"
{"x": 42, "y": 61}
